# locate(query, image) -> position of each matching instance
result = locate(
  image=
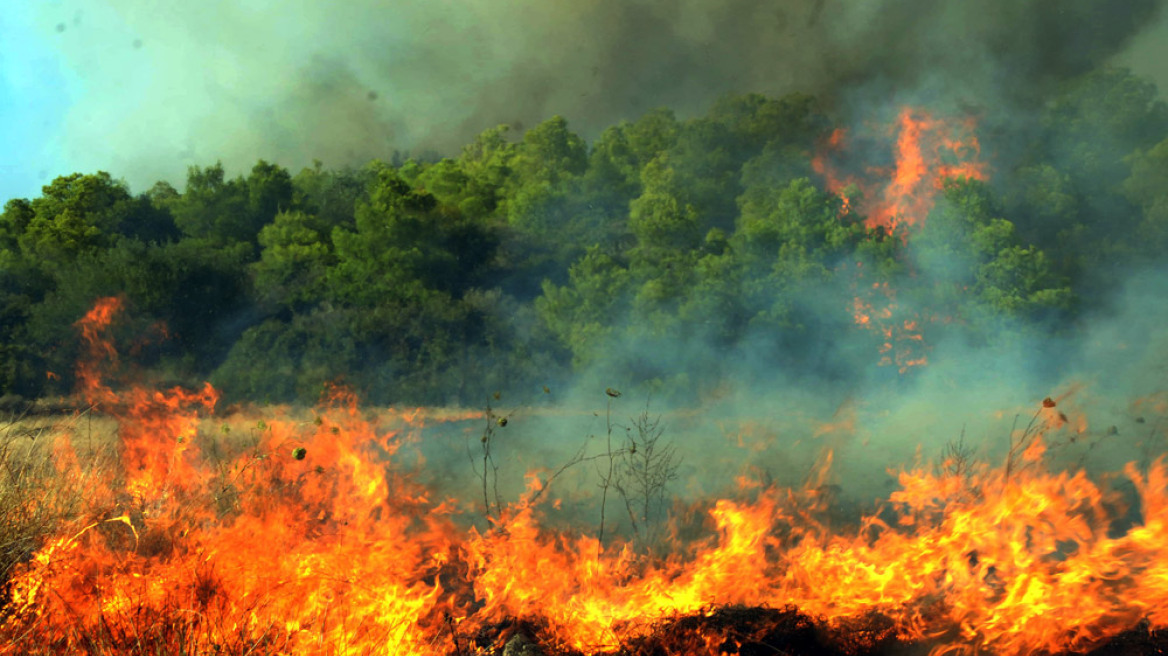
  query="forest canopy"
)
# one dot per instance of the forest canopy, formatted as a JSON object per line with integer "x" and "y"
{"x": 677, "y": 254}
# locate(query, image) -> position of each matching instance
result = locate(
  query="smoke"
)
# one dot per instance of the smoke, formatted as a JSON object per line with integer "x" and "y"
{"x": 160, "y": 88}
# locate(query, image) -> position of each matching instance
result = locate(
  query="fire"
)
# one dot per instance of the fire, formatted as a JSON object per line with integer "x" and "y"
{"x": 902, "y": 342}
{"x": 927, "y": 151}
{"x": 101, "y": 353}
{"x": 305, "y": 535}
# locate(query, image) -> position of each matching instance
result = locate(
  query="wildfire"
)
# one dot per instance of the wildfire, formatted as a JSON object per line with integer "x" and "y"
{"x": 927, "y": 151}
{"x": 308, "y": 537}
{"x": 902, "y": 343}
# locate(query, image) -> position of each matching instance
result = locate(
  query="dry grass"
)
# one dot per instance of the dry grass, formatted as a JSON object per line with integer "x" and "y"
{"x": 36, "y": 496}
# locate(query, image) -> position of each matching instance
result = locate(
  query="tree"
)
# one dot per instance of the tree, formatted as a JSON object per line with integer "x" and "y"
{"x": 1147, "y": 188}
{"x": 978, "y": 266}
{"x": 622, "y": 151}
{"x": 755, "y": 121}
{"x": 295, "y": 256}
{"x": 1097, "y": 120}
{"x": 18, "y": 213}
{"x": 75, "y": 214}
{"x": 331, "y": 196}
{"x": 406, "y": 245}
{"x": 212, "y": 207}
{"x": 659, "y": 218}
{"x": 550, "y": 152}
{"x": 583, "y": 313}
{"x": 231, "y": 211}
{"x": 797, "y": 215}
{"x": 489, "y": 160}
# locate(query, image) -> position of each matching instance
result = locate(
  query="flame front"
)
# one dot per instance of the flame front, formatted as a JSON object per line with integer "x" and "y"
{"x": 309, "y": 538}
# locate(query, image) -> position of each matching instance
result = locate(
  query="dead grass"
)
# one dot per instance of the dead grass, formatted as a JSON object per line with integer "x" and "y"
{"x": 36, "y": 495}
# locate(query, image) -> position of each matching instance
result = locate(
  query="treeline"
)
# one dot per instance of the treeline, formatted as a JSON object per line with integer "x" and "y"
{"x": 668, "y": 252}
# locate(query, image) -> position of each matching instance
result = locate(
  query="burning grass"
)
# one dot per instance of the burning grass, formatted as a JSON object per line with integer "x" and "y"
{"x": 337, "y": 552}
{"x": 35, "y": 500}
{"x": 305, "y": 533}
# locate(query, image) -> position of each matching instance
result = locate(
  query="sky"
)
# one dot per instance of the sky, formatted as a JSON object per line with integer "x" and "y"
{"x": 144, "y": 89}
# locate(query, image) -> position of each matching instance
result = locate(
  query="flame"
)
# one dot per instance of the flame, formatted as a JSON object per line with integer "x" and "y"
{"x": 305, "y": 535}
{"x": 927, "y": 151}
{"x": 902, "y": 342}
{"x": 100, "y": 353}
{"x": 820, "y": 164}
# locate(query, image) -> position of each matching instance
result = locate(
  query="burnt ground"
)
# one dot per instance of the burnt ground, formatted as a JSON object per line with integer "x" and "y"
{"x": 747, "y": 631}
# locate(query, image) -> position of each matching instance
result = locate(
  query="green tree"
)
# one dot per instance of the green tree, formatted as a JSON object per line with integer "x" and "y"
{"x": 295, "y": 257}
{"x": 212, "y": 207}
{"x": 1147, "y": 189}
{"x": 231, "y": 211}
{"x": 584, "y": 313}
{"x": 18, "y": 213}
{"x": 659, "y": 218}
{"x": 489, "y": 160}
{"x": 331, "y": 196}
{"x": 978, "y": 265}
{"x": 75, "y": 214}
{"x": 622, "y": 151}
{"x": 1097, "y": 120}
{"x": 406, "y": 245}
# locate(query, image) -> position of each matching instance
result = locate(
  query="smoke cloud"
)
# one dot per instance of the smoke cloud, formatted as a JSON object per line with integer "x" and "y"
{"x": 160, "y": 88}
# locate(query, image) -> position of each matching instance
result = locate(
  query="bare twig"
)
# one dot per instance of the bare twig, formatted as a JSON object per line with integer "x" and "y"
{"x": 1019, "y": 446}
{"x": 606, "y": 477}
{"x": 647, "y": 465}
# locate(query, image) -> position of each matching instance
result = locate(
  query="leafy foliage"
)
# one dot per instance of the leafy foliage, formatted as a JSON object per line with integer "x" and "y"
{"x": 668, "y": 252}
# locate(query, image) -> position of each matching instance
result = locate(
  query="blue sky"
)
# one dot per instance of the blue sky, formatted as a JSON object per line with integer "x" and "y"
{"x": 35, "y": 95}
{"x": 145, "y": 89}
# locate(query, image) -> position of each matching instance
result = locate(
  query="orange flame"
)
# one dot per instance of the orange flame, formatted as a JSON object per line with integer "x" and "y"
{"x": 902, "y": 345}
{"x": 927, "y": 152}
{"x": 100, "y": 352}
{"x": 306, "y": 537}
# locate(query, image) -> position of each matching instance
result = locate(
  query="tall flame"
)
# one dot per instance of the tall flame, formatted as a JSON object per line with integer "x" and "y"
{"x": 926, "y": 151}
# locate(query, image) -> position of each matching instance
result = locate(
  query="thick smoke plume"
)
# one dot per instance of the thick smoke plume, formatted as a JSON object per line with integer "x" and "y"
{"x": 188, "y": 84}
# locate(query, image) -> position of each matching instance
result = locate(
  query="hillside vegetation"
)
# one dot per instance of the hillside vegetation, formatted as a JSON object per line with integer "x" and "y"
{"x": 672, "y": 253}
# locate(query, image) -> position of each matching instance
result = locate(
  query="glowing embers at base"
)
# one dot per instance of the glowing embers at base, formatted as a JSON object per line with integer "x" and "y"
{"x": 288, "y": 535}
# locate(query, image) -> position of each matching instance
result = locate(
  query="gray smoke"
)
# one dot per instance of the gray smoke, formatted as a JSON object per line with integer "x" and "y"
{"x": 168, "y": 86}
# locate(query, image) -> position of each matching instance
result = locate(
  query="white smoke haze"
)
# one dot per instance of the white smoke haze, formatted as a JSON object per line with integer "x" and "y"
{"x": 778, "y": 429}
